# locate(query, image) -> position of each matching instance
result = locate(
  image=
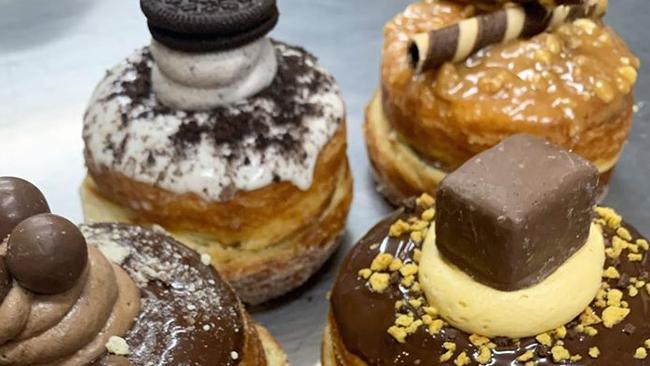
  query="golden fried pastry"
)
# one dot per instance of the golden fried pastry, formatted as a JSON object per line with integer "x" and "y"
{"x": 572, "y": 85}
{"x": 249, "y": 171}
{"x": 477, "y": 277}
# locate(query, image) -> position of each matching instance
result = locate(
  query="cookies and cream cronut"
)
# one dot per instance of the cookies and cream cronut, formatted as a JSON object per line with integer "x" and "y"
{"x": 238, "y": 151}
{"x": 511, "y": 264}
{"x": 113, "y": 294}
{"x": 572, "y": 85}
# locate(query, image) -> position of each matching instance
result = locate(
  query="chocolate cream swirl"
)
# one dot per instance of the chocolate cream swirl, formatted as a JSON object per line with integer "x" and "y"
{"x": 71, "y": 328}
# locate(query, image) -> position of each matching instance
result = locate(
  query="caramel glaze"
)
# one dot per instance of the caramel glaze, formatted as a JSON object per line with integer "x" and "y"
{"x": 363, "y": 317}
{"x": 572, "y": 86}
{"x": 180, "y": 296}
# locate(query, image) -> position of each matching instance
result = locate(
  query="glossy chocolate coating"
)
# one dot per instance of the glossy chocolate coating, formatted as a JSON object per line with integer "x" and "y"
{"x": 524, "y": 201}
{"x": 19, "y": 200}
{"x": 362, "y": 317}
{"x": 180, "y": 295}
{"x": 5, "y": 280}
{"x": 46, "y": 254}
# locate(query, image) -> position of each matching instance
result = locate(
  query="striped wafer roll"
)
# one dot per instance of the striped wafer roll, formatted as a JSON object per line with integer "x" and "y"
{"x": 458, "y": 41}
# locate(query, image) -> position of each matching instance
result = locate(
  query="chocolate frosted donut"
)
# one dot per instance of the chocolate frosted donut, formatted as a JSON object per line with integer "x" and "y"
{"x": 572, "y": 85}
{"x": 363, "y": 315}
{"x": 188, "y": 314}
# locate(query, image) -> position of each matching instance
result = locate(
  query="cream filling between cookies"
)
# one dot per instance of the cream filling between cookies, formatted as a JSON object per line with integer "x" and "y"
{"x": 476, "y": 308}
{"x": 202, "y": 81}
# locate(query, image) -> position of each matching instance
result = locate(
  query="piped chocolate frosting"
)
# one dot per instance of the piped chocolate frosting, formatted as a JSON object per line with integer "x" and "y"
{"x": 510, "y": 216}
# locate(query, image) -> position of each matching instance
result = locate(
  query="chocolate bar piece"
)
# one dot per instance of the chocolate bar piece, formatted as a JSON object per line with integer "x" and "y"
{"x": 510, "y": 216}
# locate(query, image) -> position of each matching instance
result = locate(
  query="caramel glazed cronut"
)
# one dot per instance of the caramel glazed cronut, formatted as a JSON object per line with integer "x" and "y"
{"x": 572, "y": 86}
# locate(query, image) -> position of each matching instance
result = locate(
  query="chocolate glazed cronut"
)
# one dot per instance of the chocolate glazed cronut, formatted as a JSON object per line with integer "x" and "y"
{"x": 572, "y": 86}
{"x": 359, "y": 317}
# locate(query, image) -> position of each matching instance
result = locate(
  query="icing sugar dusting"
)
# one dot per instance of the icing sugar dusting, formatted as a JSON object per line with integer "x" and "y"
{"x": 274, "y": 136}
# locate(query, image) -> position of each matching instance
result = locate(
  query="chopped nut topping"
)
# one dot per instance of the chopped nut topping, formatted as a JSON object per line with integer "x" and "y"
{"x": 398, "y": 333}
{"x": 436, "y": 326}
{"x": 640, "y": 353}
{"x": 614, "y": 315}
{"x": 611, "y": 273}
{"x": 560, "y": 353}
{"x": 484, "y": 355}
{"x": 462, "y": 359}
{"x": 544, "y": 339}
{"x": 381, "y": 262}
{"x": 117, "y": 346}
{"x": 398, "y": 228}
{"x": 409, "y": 269}
{"x": 424, "y": 201}
{"x": 594, "y": 352}
{"x": 632, "y": 257}
{"x": 429, "y": 214}
{"x": 610, "y": 216}
{"x": 527, "y": 356}
{"x": 395, "y": 265}
{"x": 379, "y": 282}
{"x": 478, "y": 340}
{"x": 365, "y": 273}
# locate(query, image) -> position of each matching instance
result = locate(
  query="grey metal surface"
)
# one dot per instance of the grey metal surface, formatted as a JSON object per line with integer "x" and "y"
{"x": 52, "y": 53}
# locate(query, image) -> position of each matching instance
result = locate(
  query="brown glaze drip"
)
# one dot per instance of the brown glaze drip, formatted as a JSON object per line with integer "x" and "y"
{"x": 189, "y": 315}
{"x": 363, "y": 317}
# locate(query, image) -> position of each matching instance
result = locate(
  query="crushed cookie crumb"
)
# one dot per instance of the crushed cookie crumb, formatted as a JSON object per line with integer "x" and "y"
{"x": 408, "y": 281}
{"x": 643, "y": 244}
{"x": 478, "y": 340}
{"x": 560, "y": 332}
{"x": 594, "y": 352}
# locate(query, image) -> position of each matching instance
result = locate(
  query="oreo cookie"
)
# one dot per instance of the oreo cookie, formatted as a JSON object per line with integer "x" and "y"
{"x": 209, "y": 25}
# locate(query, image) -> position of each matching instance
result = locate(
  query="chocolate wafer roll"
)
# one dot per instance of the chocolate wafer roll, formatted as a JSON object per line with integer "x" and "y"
{"x": 457, "y": 42}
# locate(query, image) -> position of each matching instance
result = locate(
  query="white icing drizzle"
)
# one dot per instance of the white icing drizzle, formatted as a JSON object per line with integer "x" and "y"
{"x": 134, "y": 136}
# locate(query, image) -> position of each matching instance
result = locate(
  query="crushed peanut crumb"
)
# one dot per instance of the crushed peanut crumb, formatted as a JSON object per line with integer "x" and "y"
{"x": 614, "y": 315}
{"x": 640, "y": 353}
{"x": 379, "y": 282}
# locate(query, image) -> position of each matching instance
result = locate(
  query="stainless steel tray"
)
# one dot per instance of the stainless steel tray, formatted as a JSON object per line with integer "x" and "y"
{"x": 52, "y": 53}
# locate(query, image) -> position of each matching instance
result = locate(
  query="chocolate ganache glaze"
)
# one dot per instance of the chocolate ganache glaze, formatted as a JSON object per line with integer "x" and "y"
{"x": 362, "y": 317}
{"x": 188, "y": 316}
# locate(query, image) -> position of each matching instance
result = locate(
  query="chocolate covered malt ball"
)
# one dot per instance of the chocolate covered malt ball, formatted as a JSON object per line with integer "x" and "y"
{"x": 19, "y": 200}
{"x": 46, "y": 254}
